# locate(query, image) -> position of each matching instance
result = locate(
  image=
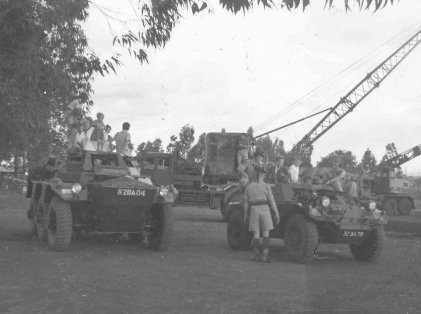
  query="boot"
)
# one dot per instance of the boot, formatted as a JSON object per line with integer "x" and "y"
{"x": 265, "y": 250}
{"x": 256, "y": 249}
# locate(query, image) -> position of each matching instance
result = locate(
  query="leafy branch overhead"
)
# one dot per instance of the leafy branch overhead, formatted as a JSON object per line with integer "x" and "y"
{"x": 158, "y": 18}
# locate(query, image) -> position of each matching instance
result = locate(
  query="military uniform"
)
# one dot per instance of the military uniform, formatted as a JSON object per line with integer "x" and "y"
{"x": 258, "y": 196}
{"x": 257, "y": 204}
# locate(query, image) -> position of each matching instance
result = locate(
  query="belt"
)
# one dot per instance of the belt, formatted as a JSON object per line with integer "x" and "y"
{"x": 257, "y": 203}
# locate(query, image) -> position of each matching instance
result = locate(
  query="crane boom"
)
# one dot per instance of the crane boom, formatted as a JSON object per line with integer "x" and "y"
{"x": 402, "y": 158}
{"x": 347, "y": 103}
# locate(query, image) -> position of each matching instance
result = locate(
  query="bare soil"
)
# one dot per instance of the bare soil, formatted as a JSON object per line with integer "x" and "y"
{"x": 198, "y": 274}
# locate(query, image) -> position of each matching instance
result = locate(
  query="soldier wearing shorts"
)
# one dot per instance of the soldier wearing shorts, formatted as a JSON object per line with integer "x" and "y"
{"x": 258, "y": 202}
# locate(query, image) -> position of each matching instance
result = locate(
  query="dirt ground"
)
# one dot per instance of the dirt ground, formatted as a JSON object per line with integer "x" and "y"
{"x": 198, "y": 274}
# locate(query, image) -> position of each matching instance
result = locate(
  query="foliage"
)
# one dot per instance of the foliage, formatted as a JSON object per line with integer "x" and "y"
{"x": 348, "y": 159}
{"x": 306, "y": 157}
{"x": 155, "y": 146}
{"x": 368, "y": 162}
{"x": 183, "y": 142}
{"x": 271, "y": 148}
{"x": 391, "y": 152}
{"x": 45, "y": 62}
{"x": 197, "y": 152}
{"x": 158, "y": 18}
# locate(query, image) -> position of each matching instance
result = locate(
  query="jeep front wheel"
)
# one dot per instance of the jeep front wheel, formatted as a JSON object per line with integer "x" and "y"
{"x": 301, "y": 239}
{"x": 371, "y": 248}
{"x": 59, "y": 224}
{"x": 239, "y": 237}
{"x": 160, "y": 235}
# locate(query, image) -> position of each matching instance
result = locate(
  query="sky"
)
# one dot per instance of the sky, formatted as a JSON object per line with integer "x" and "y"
{"x": 264, "y": 69}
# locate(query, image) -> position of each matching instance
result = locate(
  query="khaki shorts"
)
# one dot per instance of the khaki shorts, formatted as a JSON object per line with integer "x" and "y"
{"x": 260, "y": 218}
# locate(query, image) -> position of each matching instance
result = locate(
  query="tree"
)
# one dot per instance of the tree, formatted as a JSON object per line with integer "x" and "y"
{"x": 271, "y": 148}
{"x": 45, "y": 61}
{"x": 183, "y": 142}
{"x": 391, "y": 152}
{"x": 197, "y": 152}
{"x": 155, "y": 146}
{"x": 348, "y": 159}
{"x": 306, "y": 157}
{"x": 368, "y": 162}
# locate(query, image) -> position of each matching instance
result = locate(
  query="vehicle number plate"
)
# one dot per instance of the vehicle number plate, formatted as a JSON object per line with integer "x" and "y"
{"x": 353, "y": 234}
{"x": 130, "y": 192}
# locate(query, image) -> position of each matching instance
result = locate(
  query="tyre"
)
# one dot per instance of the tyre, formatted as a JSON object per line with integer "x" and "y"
{"x": 301, "y": 238}
{"x": 59, "y": 224}
{"x": 40, "y": 219}
{"x": 405, "y": 207}
{"x": 31, "y": 214}
{"x": 390, "y": 206}
{"x": 239, "y": 238}
{"x": 162, "y": 227}
{"x": 371, "y": 248}
{"x": 225, "y": 208}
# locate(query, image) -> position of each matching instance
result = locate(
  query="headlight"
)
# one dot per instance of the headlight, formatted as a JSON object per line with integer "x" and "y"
{"x": 314, "y": 212}
{"x": 76, "y": 188}
{"x": 163, "y": 191}
{"x": 372, "y": 205}
{"x": 325, "y": 201}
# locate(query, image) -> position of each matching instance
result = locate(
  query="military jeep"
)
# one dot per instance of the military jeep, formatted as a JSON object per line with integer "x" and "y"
{"x": 99, "y": 192}
{"x": 314, "y": 214}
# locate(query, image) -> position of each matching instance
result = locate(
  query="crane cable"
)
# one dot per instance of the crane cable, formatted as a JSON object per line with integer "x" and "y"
{"x": 291, "y": 106}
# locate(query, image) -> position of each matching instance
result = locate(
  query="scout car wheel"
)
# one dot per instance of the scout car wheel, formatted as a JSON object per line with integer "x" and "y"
{"x": 40, "y": 218}
{"x": 239, "y": 237}
{"x": 59, "y": 224}
{"x": 390, "y": 206}
{"x": 371, "y": 248}
{"x": 405, "y": 207}
{"x": 162, "y": 227}
{"x": 226, "y": 208}
{"x": 31, "y": 215}
{"x": 301, "y": 239}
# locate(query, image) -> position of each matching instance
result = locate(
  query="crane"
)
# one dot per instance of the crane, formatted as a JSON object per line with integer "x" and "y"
{"x": 360, "y": 91}
{"x": 380, "y": 187}
{"x": 400, "y": 159}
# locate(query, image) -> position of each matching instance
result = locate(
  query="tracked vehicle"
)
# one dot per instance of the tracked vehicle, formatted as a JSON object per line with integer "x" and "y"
{"x": 99, "y": 192}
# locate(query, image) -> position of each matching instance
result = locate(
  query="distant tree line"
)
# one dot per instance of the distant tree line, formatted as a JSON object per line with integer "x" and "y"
{"x": 184, "y": 144}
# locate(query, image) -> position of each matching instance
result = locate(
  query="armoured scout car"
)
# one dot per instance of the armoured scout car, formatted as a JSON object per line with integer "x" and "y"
{"x": 313, "y": 214}
{"x": 99, "y": 192}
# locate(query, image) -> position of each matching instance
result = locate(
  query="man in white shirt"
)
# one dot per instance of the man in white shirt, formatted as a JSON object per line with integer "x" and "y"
{"x": 294, "y": 169}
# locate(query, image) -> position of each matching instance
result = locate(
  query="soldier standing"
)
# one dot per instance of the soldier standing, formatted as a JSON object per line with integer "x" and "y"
{"x": 258, "y": 202}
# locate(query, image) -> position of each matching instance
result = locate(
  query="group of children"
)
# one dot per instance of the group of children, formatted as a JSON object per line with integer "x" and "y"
{"x": 85, "y": 133}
